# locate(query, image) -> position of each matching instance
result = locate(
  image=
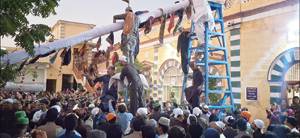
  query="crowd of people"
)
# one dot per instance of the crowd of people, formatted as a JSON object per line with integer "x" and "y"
{"x": 104, "y": 114}
{"x": 76, "y": 114}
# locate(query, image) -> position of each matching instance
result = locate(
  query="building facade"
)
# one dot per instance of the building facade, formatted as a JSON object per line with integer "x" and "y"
{"x": 263, "y": 40}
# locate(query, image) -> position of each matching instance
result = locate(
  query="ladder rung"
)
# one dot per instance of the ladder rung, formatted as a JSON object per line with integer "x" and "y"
{"x": 219, "y": 91}
{"x": 215, "y": 34}
{"x": 219, "y": 20}
{"x": 216, "y": 62}
{"x": 197, "y": 49}
{"x": 211, "y": 62}
{"x": 218, "y": 107}
{"x": 217, "y": 47}
{"x": 217, "y": 77}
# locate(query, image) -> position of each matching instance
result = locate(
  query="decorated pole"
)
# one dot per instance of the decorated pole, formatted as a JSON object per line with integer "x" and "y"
{"x": 19, "y": 56}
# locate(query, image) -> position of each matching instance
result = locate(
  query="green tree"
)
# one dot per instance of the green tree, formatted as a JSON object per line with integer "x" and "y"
{"x": 213, "y": 97}
{"x": 14, "y": 23}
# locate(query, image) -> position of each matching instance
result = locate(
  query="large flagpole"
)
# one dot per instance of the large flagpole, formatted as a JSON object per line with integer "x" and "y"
{"x": 19, "y": 56}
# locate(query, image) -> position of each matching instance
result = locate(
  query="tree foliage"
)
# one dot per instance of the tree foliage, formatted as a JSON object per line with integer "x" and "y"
{"x": 213, "y": 97}
{"x": 14, "y": 23}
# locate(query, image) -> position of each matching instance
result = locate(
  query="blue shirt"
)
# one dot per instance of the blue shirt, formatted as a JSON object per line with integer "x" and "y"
{"x": 124, "y": 119}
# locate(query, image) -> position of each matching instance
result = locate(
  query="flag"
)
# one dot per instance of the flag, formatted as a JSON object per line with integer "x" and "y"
{"x": 110, "y": 38}
{"x": 162, "y": 29}
{"x": 98, "y": 44}
{"x": 171, "y": 23}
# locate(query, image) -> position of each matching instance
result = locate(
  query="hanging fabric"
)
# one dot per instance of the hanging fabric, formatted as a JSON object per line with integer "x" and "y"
{"x": 178, "y": 13}
{"x": 182, "y": 47}
{"x": 52, "y": 59}
{"x": 171, "y": 23}
{"x": 114, "y": 58}
{"x": 83, "y": 49}
{"x": 22, "y": 65}
{"x": 98, "y": 44}
{"x": 40, "y": 56}
{"x": 67, "y": 57}
{"x": 137, "y": 35}
{"x": 34, "y": 60}
{"x": 110, "y": 39}
{"x": 130, "y": 37}
{"x": 148, "y": 25}
{"x": 162, "y": 28}
{"x": 140, "y": 12}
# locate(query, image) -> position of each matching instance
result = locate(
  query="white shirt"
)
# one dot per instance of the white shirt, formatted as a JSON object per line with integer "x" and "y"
{"x": 37, "y": 116}
{"x": 163, "y": 135}
{"x": 295, "y": 130}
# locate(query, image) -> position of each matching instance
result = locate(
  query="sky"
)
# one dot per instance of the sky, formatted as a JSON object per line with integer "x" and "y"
{"x": 98, "y": 12}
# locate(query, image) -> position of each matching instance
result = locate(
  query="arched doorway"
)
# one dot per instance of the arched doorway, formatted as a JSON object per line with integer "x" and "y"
{"x": 171, "y": 77}
{"x": 170, "y": 80}
{"x": 284, "y": 64}
{"x": 292, "y": 83}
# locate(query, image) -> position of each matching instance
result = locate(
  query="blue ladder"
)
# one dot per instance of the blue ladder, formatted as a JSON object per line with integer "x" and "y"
{"x": 207, "y": 62}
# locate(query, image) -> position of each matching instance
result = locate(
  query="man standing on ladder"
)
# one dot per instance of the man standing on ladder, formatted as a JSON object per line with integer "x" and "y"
{"x": 135, "y": 86}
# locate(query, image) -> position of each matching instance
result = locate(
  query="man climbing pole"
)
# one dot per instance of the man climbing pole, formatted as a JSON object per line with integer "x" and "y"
{"x": 135, "y": 86}
{"x": 129, "y": 37}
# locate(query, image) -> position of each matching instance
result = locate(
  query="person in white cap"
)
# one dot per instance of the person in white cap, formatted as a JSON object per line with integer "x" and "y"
{"x": 142, "y": 111}
{"x": 229, "y": 131}
{"x": 178, "y": 119}
{"x": 257, "y": 126}
{"x": 163, "y": 127}
{"x": 203, "y": 122}
{"x": 135, "y": 86}
{"x": 205, "y": 112}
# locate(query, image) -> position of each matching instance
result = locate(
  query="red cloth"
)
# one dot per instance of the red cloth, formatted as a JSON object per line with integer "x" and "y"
{"x": 115, "y": 58}
{"x": 172, "y": 21}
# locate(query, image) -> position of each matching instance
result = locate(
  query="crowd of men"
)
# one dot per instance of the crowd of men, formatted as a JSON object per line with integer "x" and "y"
{"x": 76, "y": 114}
